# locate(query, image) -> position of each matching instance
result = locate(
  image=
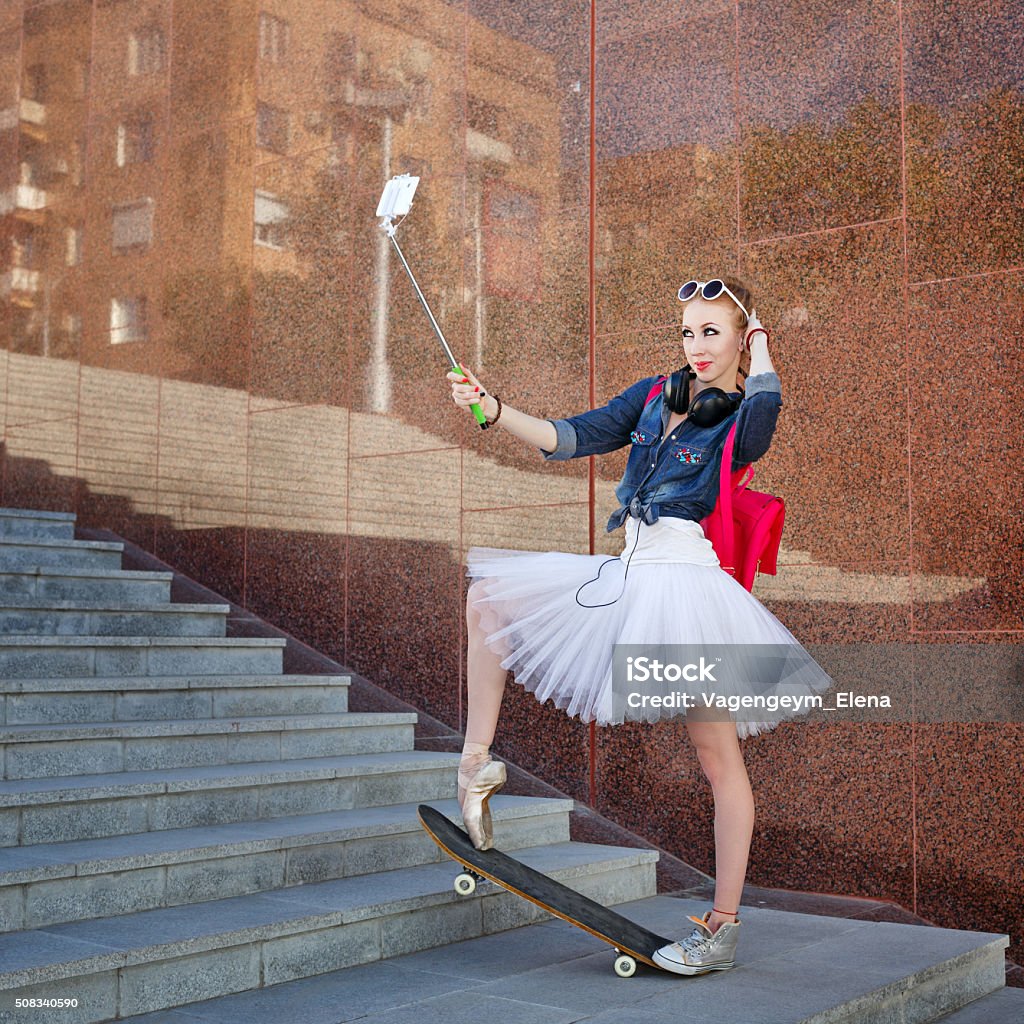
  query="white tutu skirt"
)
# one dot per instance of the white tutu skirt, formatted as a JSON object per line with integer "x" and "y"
{"x": 674, "y": 591}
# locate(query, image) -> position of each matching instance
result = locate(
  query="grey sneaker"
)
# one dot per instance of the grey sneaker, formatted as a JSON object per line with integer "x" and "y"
{"x": 701, "y": 951}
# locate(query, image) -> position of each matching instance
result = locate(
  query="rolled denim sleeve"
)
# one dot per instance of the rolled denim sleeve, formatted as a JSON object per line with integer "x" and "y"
{"x": 600, "y": 430}
{"x": 758, "y": 415}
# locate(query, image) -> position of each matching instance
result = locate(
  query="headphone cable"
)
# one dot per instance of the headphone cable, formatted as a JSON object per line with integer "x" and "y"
{"x": 605, "y": 604}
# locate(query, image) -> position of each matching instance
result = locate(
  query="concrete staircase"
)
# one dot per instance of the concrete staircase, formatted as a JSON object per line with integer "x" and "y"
{"x": 180, "y": 821}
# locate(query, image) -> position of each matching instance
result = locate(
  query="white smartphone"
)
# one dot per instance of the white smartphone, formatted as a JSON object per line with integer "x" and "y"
{"x": 396, "y": 200}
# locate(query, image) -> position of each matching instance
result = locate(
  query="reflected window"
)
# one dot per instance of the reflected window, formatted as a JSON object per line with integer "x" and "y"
{"x": 27, "y": 174}
{"x": 482, "y": 116}
{"x": 81, "y": 79}
{"x": 270, "y": 217}
{"x": 73, "y": 245}
{"x": 513, "y": 239}
{"x": 71, "y": 325}
{"x": 526, "y": 143}
{"x": 77, "y": 167}
{"x": 135, "y": 140}
{"x": 34, "y": 87}
{"x": 272, "y": 128}
{"x": 339, "y": 66}
{"x": 127, "y": 319}
{"x": 147, "y": 51}
{"x": 23, "y": 250}
{"x": 133, "y": 224}
{"x": 413, "y": 165}
{"x": 275, "y": 37}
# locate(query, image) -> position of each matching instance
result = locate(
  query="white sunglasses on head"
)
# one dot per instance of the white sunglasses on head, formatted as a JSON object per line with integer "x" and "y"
{"x": 709, "y": 290}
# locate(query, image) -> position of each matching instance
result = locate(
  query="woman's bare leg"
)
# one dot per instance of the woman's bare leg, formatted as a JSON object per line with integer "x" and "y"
{"x": 479, "y": 775}
{"x": 485, "y": 680}
{"x": 718, "y": 749}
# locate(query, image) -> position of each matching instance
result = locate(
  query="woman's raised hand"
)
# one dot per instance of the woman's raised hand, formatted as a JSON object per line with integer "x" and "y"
{"x": 467, "y": 389}
{"x": 752, "y": 324}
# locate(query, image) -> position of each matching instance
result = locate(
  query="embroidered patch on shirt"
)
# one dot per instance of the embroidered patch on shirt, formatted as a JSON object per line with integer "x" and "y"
{"x": 684, "y": 454}
{"x": 639, "y": 437}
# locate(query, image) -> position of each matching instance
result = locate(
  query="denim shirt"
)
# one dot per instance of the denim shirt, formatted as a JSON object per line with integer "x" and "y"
{"x": 680, "y": 477}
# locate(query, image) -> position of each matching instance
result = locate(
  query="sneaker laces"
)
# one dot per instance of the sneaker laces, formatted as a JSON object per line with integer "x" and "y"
{"x": 697, "y": 942}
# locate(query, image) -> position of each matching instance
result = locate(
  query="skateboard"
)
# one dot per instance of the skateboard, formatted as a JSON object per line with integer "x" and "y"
{"x": 631, "y": 941}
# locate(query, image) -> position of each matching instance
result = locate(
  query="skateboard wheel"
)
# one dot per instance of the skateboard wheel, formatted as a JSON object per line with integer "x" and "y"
{"x": 625, "y": 966}
{"x": 465, "y": 884}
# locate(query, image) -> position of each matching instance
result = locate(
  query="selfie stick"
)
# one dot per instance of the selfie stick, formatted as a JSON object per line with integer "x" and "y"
{"x": 396, "y": 201}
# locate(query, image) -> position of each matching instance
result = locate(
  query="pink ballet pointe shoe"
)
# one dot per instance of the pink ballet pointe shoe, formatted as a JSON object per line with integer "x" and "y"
{"x": 477, "y": 783}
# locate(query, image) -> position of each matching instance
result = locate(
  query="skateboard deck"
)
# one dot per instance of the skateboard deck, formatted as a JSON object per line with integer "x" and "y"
{"x": 632, "y": 941}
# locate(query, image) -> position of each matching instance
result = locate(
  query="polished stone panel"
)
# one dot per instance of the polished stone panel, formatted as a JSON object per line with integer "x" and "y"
{"x": 207, "y": 236}
{"x": 132, "y": 64}
{"x": 202, "y": 466}
{"x": 962, "y": 399}
{"x": 214, "y": 82}
{"x": 401, "y": 97}
{"x": 11, "y": 15}
{"x": 819, "y": 110}
{"x": 976, "y": 850}
{"x": 528, "y": 86}
{"x": 841, "y": 355}
{"x": 846, "y": 827}
{"x": 39, "y": 464}
{"x": 666, "y": 174}
{"x": 126, "y": 283}
{"x": 962, "y": 81}
{"x": 403, "y": 575}
{"x": 303, "y": 239}
{"x": 118, "y": 452}
{"x": 295, "y": 451}
{"x": 634, "y": 17}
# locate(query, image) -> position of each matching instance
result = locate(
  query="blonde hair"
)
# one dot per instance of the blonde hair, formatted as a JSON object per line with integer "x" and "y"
{"x": 745, "y": 293}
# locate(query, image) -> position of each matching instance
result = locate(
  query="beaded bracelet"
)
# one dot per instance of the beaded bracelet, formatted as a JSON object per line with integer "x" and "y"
{"x": 497, "y": 415}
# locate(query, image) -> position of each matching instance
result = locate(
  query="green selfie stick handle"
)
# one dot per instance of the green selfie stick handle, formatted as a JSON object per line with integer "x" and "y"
{"x": 477, "y": 411}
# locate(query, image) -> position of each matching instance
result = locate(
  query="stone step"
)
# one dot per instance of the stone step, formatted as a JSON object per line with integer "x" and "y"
{"x": 117, "y": 587}
{"x": 137, "y": 655}
{"x": 67, "y": 618}
{"x": 135, "y": 698}
{"x": 1004, "y": 1006}
{"x": 790, "y": 968}
{"x": 89, "y": 806}
{"x": 23, "y": 554}
{"x": 49, "y": 751}
{"x": 156, "y": 959}
{"x": 29, "y": 524}
{"x": 52, "y": 883}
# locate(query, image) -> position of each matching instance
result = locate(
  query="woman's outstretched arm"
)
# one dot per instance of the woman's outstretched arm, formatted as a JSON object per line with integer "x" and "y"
{"x": 594, "y": 432}
{"x": 537, "y": 432}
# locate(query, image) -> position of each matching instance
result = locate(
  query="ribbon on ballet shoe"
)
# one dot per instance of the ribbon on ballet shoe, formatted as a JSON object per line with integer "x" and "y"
{"x": 476, "y": 814}
{"x": 474, "y": 757}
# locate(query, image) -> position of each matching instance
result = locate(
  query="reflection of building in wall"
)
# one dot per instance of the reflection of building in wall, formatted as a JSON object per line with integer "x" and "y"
{"x": 42, "y": 146}
{"x": 144, "y": 252}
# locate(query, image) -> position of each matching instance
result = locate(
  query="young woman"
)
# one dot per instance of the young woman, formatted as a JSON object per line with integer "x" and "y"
{"x": 553, "y": 617}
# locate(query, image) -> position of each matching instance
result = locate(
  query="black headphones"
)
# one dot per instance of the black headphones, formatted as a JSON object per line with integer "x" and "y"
{"x": 708, "y": 408}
